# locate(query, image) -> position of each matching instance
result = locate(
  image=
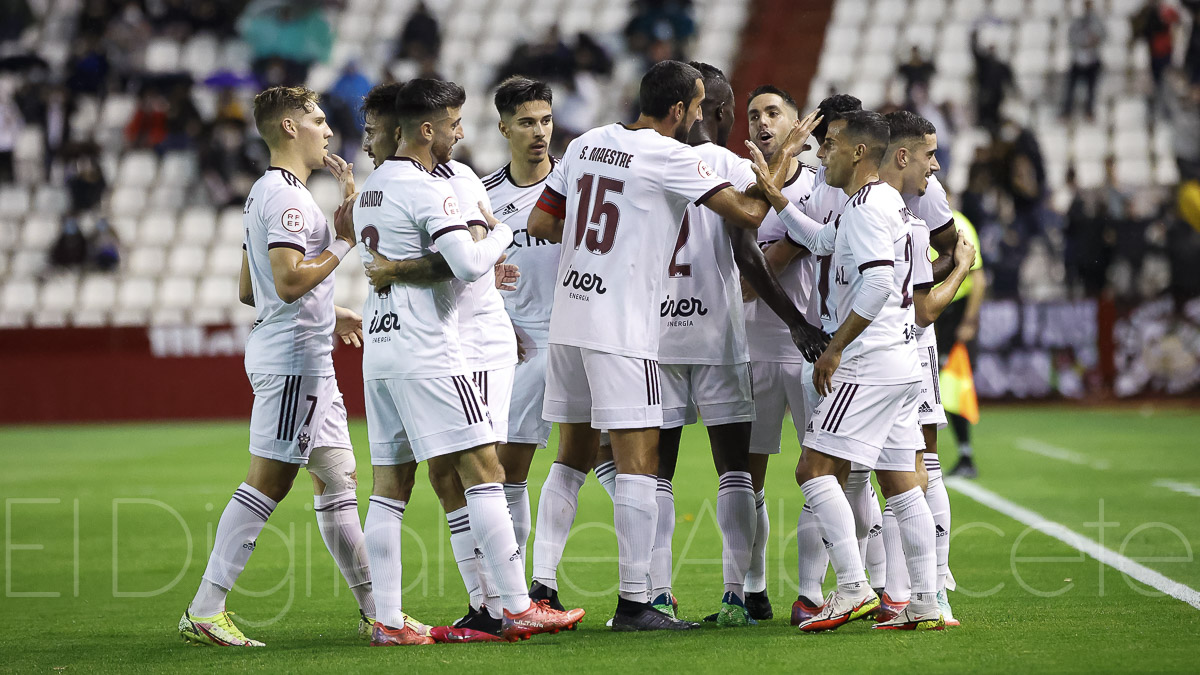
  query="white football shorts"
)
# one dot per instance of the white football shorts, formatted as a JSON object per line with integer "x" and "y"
{"x": 874, "y": 425}
{"x": 293, "y": 414}
{"x": 721, "y": 394}
{"x": 930, "y": 410}
{"x": 778, "y": 387}
{"x": 608, "y": 390}
{"x": 496, "y": 388}
{"x": 525, "y": 423}
{"x": 415, "y": 420}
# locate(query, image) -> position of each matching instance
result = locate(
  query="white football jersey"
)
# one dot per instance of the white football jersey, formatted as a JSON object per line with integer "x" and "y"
{"x": 622, "y": 193}
{"x": 411, "y": 331}
{"x": 770, "y": 339}
{"x": 701, "y": 313}
{"x": 875, "y": 229}
{"x": 537, "y": 259}
{"x": 922, "y": 276}
{"x": 933, "y": 208}
{"x": 824, "y": 205}
{"x": 484, "y": 330}
{"x": 288, "y": 338}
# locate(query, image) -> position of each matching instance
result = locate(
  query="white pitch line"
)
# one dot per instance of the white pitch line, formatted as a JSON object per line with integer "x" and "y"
{"x": 1055, "y": 452}
{"x": 1176, "y": 486}
{"x": 1076, "y": 541}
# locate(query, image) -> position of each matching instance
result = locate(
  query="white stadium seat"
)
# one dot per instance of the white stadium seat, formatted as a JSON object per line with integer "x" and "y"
{"x": 146, "y": 261}
{"x": 229, "y": 226}
{"x": 58, "y": 294}
{"x": 136, "y": 293}
{"x": 137, "y": 169}
{"x": 14, "y": 201}
{"x": 198, "y": 225}
{"x": 185, "y": 260}
{"x": 224, "y": 260}
{"x": 178, "y": 169}
{"x": 98, "y": 293}
{"x": 39, "y": 232}
{"x": 127, "y": 201}
{"x": 176, "y": 293}
{"x": 1137, "y": 172}
{"x": 19, "y": 296}
{"x": 217, "y": 291}
{"x": 162, "y": 56}
{"x": 156, "y": 229}
{"x": 26, "y": 263}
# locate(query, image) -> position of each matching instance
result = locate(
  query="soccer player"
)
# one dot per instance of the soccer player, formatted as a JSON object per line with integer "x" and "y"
{"x": 869, "y": 375}
{"x": 421, "y": 403}
{"x": 298, "y": 418}
{"x": 704, "y": 363}
{"x": 909, "y": 167}
{"x": 622, "y": 192}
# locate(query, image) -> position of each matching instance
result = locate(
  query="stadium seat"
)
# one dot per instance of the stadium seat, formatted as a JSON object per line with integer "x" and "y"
{"x": 1136, "y": 172}
{"x": 235, "y": 56}
{"x": 922, "y": 35}
{"x": 162, "y": 56}
{"x": 1089, "y": 175}
{"x": 880, "y": 39}
{"x": 1129, "y": 113}
{"x": 137, "y": 169}
{"x": 51, "y": 200}
{"x": 326, "y": 192}
{"x": 19, "y": 296}
{"x": 198, "y": 224}
{"x": 98, "y": 292}
{"x": 1131, "y": 143}
{"x": 87, "y": 318}
{"x": 165, "y": 198}
{"x": 847, "y": 13}
{"x": 39, "y": 232}
{"x": 129, "y": 317}
{"x": 1089, "y": 143}
{"x": 178, "y": 169}
{"x": 224, "y": 260}
{"x": 135, "y": 293}
{"x": 14, "y": 201}
{"x": 168, "y": 316}
{"x": 967, "y": 10}
{"x": 1166, "y": 170}
{"x": 217, "y": 291}
{"x": 229, "y": 226}
{"x": 1034, "y": 35}
{"x": 146, "y": 261}
{"x": 199, "y": 56}
{"x": 185, "y": 260}
{"x": 176, "y": 293}
{"x": 889, "y": 12}
{"x": 58, "y": 293}
{"x": 156, "y": 229}
{"x": 1009, "y": 10}
{"x": 26, "y": 263}
{"x": 127, "y": 201}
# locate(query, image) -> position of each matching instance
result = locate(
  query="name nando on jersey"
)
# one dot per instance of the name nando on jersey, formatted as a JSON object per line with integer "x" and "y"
{"x": 623, "y": 193}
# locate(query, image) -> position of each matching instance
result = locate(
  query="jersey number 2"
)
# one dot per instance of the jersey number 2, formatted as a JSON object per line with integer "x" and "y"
{"x": 906, "y": 298}
{"x": 599, "y": 237}
{"x": 678, "y": 269}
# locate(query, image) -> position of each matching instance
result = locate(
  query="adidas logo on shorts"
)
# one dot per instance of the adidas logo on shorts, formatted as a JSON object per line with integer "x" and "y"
{"x": 925, "y": 408}
{"x": 809, "y": 427}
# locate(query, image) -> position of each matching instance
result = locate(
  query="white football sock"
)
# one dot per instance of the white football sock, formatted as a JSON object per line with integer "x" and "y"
{"x": 814, "y": 559}
{"x": 737, "y": 518}
{"x": 634, "y": 514}
{"x": 917, "y": 536}
{"x": 493, "y": 529}
{"x": 241, "y": 522}
{"x": 337, "y": 519}
{"x": 756, "y": 576}
{"x": 462, "y": 545}
{"x": 382, "y": 535}
{"x": 606, "y": 473}
{"x": 517, "y": 495}
{"x": 939, "y": 505}
{"x": 836, "y": 521}
{"x": 896, "y": 585}
{"x": 858, "y": 493}
{"x": 660, "y": 556}
{"x": 876, "y": 557}
{"x": 556, "y": 514}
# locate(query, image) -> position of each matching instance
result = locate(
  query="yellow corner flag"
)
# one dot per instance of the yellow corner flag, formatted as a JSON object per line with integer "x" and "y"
{"x": 958, "y": 385}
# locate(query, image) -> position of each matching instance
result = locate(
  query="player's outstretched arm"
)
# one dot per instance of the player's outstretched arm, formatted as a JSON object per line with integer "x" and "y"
{"x": 930, "y": 302}
{"x": 876, "y": 288}
{"x": 422, "y": 271}
{"x": 245, "y": 284}
{"x": 757, "y": 272}
{"x": 294, "y": 276}
{"x": 470, "y": 259}
{"x": 814, "y": 236}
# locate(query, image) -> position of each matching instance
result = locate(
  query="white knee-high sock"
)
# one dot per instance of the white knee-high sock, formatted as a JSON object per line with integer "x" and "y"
{"x": 556, "y": 514}
{"x": 382, "y": 535}
{"x": 939, "y": 505}
{"x": 756, "y": 575}
{"x": 814, "y": 559}
{"x": 606, "y": 473}
{"x": 868, "y": 524}
{"x": 896, "y": 585}
{"x": 736, "y": 517}
{"x": 836, "y": 521}
{"x": 517, "y": 495}
{"x": 917, "y": 536}
{"x": 634, "y": 514}
{"x": 493, "y": 529}
{"x": 337, "y": 519}
{"x": 462, "y": 545}
{"x": 660, "y": 556}
{"x": 876, "y": 557}
{"x": 241, "y": 522}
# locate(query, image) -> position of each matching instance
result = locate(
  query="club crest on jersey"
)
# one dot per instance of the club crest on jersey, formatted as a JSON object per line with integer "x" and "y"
{"x": 450, "y": 206}
{"x": 293, "y": 220}
{"x": 705, "y": 172}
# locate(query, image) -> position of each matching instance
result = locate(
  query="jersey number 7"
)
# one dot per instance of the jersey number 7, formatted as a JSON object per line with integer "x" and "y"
{"x": 599, "y": 237}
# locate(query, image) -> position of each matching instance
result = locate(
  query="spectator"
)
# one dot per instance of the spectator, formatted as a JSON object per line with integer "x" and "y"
{"x": 661, "y": 29}
{"x": 184, "y": 123}
{"x": 50, "y": 107}
{"x": 104, "y": 246}
{"x": 286, "y": 38}
{"x": 148, "y": 126}
{"x": 1084, "y": 36}
{"x": 421, "y": 37}
{"x": 15, "y": 17}
{"x": 88, "y": 69}
{"x": 1128, "y": 234}
{"x": 1088, "y": 250}
{"x": 591, "y": 57}
{"x": 917, "y": 71}
{"x": 1191, "y": 58}
{"x": 1183, "y": 100}
{"x": 70, "y": 246}
{"x": 1022, "y": 177}
{"x": 341, "y": 105}
{"x": 993, "y": 81}
{"x": 229, "y": 164}
{"x": 10, "y": 130}
{"x": 84, "y": 177}
{"x": 1153, "y": 23}
{"x": 229, "y": 106}
{"x": 126, "y": 35}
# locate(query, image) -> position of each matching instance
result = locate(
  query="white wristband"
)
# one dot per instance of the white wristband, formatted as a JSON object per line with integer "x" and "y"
{"x": 339, "y": 247}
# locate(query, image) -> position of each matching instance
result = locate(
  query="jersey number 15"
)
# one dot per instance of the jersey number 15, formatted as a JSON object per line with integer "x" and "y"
{"x": 598, "y": 236}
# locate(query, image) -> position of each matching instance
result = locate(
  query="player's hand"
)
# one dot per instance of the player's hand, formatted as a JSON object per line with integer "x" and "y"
{"x": 764, "y": 181}
{"x": 967, "y": 330}
{"x": 487, "y": 215}
{"x": 823, "y": 371}
{"x": 809, "y": 339}
{"x": 506, "y": 275}
{"x": 748, "y": 293}
{"x": 343, "y": 219}
{"x": 964, "y": 251}
{"x": 378, "y": 270}
{"x": 348, "y": 326}
{"x": 797, "y": 139}
{"x": 343, "y": 171}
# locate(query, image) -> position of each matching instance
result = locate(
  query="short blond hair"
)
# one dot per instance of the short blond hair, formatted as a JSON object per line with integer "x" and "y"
{"x": 273, "y": 104}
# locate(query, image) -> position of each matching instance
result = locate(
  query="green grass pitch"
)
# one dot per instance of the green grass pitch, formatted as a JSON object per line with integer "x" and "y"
{"x": 107, "y": 531}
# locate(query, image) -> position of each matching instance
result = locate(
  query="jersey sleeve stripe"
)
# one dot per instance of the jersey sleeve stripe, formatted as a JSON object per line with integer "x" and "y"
{"x": 949, "y": 223}
{"x": 923, "y": 285}
{"x": 553, "y": 203}
{"x": 286, "y": 244}
{"x": 875, "y": 263}
{"x": 793, "y": 242}
{"x": 704, "y": 197}
{"x": 448, "y": 230}
{"x": 478, "y": 223}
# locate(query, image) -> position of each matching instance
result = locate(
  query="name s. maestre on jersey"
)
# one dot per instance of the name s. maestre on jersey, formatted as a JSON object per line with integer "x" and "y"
{"x": 607, "y": 156}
